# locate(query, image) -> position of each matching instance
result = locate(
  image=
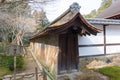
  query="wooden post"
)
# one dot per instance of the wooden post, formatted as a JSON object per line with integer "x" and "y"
{"x": 44, "y": 76}
{"x": 104, "y": 33}
{"x": 14, "y": 63}
{"x": 36, "y": 73}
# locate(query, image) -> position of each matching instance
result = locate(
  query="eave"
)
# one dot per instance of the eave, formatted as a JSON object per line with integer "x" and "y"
{"x": 69, "y": 19}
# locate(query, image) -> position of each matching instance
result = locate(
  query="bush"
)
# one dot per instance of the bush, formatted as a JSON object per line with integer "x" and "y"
{"x": 3, "y": 60}
{"x": 1, "y": 49}
{"x": 10, "y": 63}
{"x": 19, "y": 63}
{"x": 4, "y": 71}
{"x": 26, "y": 41}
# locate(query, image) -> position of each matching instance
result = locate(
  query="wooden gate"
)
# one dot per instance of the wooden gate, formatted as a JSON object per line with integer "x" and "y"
{"x": 68, "y": 55}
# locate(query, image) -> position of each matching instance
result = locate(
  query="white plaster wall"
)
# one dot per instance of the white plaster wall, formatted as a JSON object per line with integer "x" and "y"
{"x": 92, "y": 39}
{"x": 113, "y": 49}
{"x": 113, "y": 34}
{"x": 87, "y": 51}
{"x": 112, "y": 37}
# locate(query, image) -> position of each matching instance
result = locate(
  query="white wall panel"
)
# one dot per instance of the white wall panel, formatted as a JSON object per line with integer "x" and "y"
{"x": 85, "y": 40}
{"x": 113, "y": 34}
{"x": 87, "y": 51}
{"x": 113, "y": 49}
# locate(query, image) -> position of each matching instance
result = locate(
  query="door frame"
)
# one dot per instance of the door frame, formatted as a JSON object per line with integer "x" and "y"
{"x": 75, "y": 57}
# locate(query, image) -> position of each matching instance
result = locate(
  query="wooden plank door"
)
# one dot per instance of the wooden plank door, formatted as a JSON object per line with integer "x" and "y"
{"x": 68, "y": 55}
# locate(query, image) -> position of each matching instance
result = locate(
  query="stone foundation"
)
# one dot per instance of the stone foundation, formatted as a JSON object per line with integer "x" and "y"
{"x": 99, "y": 61}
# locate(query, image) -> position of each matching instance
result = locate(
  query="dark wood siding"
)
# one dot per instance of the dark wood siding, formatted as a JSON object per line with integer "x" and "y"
{"x": 68, "y": 56}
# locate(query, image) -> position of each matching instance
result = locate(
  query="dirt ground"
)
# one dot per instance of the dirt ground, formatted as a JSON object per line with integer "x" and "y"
{"x": 31, "y": 64}
{"x": 90, "y": 75}
{"x": 30, "y": 67}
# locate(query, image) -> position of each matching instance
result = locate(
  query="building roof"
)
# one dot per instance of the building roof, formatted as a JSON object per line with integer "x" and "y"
{"x": 103, "y": 21}
{"x": 112, "y": 11}
{"x": 70, "y": 17}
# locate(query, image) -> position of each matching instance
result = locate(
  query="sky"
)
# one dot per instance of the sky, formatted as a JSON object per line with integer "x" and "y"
{"x": 55, "y": 8}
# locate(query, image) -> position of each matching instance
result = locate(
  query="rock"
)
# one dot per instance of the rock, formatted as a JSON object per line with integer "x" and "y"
{"x": 116, "y": 61}
{"x": 96, "y": 64}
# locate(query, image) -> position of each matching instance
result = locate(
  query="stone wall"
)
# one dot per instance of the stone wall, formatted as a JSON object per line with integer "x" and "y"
{"x": 99, "y": 61}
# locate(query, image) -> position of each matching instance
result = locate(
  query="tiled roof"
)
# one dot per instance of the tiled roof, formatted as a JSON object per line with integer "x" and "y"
{"x": 102, "y": 21}
{"x": 69, "y": 18}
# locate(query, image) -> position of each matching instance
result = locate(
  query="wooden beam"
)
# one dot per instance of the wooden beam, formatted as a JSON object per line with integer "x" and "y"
{"x": 77, "y": 51}
{"x": 104, "y": 34}
{"x": 91, "y": 45}
{"x": 97, "y": 45}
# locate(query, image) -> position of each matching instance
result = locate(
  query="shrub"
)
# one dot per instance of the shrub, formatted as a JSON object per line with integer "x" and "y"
{"x": 1, "y": 49}
{"x": 26, "y": 41}
{"x": 4, "y": 71}
{"x": 19, "y": 63}
{"x": 3, "y": 60}
{"x": 10, "y": 63}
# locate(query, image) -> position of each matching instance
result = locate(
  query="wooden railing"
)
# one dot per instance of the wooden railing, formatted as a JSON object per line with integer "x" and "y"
{"x": 48, "y": 74}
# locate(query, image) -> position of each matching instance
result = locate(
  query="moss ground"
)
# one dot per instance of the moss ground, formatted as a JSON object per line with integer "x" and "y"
{"x": 113, "y": 72}
{"x": 4, "y": 71}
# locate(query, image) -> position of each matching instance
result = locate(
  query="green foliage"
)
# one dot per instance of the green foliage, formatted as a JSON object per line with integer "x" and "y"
{"x": 105, "y": 4}
{"x": 4, "y": 71}
{"x": 1, "y": 49}
{"x": 41, "y": 19}
{"x": 2, "y": 60}
{"x": 113, "y": 72}
{"x": 8, "y": 61}
{"x": 25, "y": 41}
{"x": 19, "y": 63}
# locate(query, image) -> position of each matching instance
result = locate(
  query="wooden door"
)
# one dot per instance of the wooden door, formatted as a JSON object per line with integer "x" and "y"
{"x": 68, "y": 55}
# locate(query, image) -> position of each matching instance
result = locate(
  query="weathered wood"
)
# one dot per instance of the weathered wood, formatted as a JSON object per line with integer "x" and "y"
{"x": 36, "y": 73}
{"x": 46, "y": 51}
{"x": 104, "y": 34}
{"x": 44, "y": 76}
{"x": 96, "y": 45}
{"x": 68, "y": 55}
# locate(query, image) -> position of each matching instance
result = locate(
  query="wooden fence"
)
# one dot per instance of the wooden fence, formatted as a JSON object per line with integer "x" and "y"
{"x": 38, "y": 75}
{"x": 43, "y": 74}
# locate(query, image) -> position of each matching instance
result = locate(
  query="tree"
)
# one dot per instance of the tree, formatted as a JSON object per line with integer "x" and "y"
{"x": 11, "y": 29}
{"x": 41, "y": 19}
{"x": 91, "y": 14}
{"x": 16, "y": 20}
{"x": 105, "y": 4}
